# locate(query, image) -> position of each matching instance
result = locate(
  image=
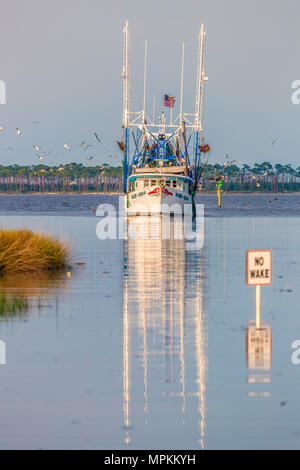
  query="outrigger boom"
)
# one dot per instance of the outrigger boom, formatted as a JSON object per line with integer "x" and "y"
{"x": 157, "y": 155}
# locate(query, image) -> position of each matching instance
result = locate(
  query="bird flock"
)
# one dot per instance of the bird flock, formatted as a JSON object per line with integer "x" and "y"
{"x": 228, "y": 163}
{"x": 85, "y": 145}
{"x": 42, "y": 154}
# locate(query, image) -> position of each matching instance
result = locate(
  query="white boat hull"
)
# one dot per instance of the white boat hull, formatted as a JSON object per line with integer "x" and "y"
{"x": 143, "y": 203}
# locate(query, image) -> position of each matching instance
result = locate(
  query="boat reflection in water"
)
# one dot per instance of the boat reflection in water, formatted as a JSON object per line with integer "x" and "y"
{"x": 259, "y": 356}
{"x": 164, "y": 328}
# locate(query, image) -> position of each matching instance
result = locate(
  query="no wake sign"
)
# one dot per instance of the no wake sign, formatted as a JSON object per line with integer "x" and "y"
{"x": 259, "y": 268}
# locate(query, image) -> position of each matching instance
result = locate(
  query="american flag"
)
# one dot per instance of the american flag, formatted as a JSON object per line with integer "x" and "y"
{"x": 169, "y": 101}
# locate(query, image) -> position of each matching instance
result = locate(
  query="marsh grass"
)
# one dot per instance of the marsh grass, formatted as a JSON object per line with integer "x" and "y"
{"x": 26, "y": 251}
{"x": 12, "y": 305}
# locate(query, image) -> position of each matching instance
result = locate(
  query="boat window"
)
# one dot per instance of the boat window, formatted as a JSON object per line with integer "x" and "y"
{"x": 174, "y": 184}
{"x": 146, "y": 183}
{"x": 153, "y": 182}
{"x": 168, "y": 183}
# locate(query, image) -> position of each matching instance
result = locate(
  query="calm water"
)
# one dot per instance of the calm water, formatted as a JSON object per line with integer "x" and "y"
{"x": 145, "y": 345}
{"x": 234, "y": 205}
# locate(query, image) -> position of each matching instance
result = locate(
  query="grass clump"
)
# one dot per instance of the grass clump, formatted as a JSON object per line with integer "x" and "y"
{"x": 11, "y": 305}
{"x": 26, "y": 251}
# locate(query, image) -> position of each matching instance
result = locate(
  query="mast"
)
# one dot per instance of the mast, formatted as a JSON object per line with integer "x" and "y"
{"x": 126, "y": 77}
{"x": 145, "y": 82}
{"x": 200, "y": 80}
{"x": 181, "y": 90}
{"x": 199, "y": 94}
{"x": 126, "y": 102}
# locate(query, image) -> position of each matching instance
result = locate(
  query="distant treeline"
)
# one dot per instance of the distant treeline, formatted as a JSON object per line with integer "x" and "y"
{"x": 72, "y": 177}
{"x": 75, "y": 177}
{"x": 262, "y": 177}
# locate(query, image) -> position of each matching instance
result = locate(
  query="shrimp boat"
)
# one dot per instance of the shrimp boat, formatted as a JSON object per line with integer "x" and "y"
{"x": 163, "y": 161}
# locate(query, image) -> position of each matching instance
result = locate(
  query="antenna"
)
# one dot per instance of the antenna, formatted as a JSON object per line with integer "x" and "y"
{"x": 145, "y": 82}
{"x": 182, "y": 78}
{"x": 200, "y": 80}
{"x": 126, "y": 77}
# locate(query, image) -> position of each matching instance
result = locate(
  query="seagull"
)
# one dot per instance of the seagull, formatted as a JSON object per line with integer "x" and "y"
{"x": 228, "y": 163}
{"x": 47, "y": 153}
{"x": 97, "y": 138}
{"x": 41, "y": 158}
{"x": 35, "y": 122}
{"x": 82, "y": 143}
{"x": 67, "y": 147}
{"x": 273, "y": 143}
{"x": 19, "y": 132}
{"x": 90, "y": 159}
{"x": 37, "y": 148}
{"x": 1, "y": 128}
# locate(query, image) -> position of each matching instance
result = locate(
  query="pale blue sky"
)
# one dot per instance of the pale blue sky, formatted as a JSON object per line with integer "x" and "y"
{"x": 62, "y": 61}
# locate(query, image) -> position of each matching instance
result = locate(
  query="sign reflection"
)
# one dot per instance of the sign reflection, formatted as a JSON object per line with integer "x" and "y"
{"x": 259, "y": 354}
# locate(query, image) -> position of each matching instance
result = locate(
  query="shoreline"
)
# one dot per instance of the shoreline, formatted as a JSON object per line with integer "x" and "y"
{"x": 225, "y": 193}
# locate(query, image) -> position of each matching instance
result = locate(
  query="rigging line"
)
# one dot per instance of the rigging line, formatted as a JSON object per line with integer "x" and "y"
{"x": 136, "y": 144}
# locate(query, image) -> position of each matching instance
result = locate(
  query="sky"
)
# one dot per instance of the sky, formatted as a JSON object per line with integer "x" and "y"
{"x": 61, "y": 61}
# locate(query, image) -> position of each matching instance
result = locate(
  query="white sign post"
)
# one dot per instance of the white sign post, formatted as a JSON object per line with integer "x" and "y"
{"x": 258, "y": 273}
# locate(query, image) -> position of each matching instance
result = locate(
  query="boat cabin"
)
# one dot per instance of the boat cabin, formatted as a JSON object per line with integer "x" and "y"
{"x": 147, "y": 182}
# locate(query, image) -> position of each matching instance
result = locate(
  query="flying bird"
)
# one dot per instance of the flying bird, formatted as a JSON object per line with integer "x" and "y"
{"x": 19, "y": 132}
{"x": 273, "y": 143}
{"x": 47, "y": 154}
{"x": 97, "y": 138}
{"x": 67, "y": 147}
{"x": 82, "y": 143}
{"x": 37, "y": 148}
{"x": 1, "y": 128}
{"x": 41, "y": 158}
{"x": 35, "y": 122}
{"x": 228, "y": 162}
{"x": 90, "y": 159}
{"x": 121, "y": 145}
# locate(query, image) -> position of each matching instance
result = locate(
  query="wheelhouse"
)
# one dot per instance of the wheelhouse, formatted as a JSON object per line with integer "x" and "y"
{"x": 149, "y": 182}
